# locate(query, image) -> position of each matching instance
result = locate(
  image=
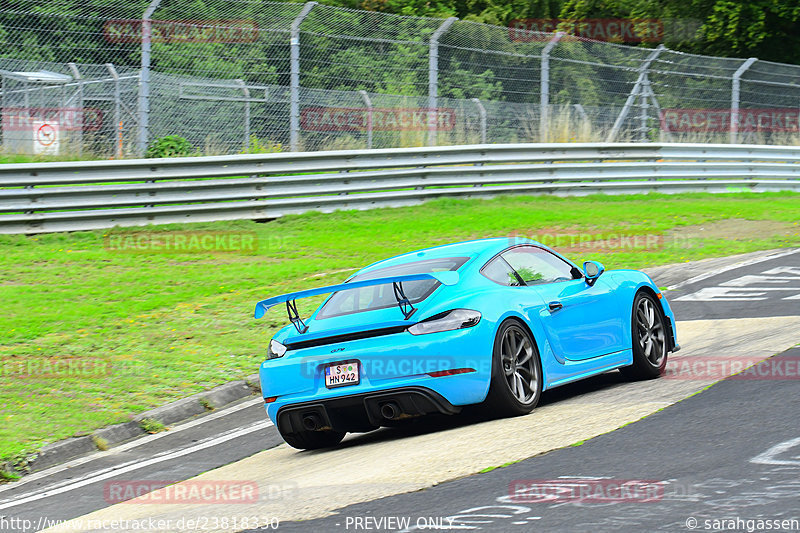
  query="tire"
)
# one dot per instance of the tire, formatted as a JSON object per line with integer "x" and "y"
{"x": 313, "y": 440}
{"x": 516, "y": 384}
{"x": 648, "y": 339}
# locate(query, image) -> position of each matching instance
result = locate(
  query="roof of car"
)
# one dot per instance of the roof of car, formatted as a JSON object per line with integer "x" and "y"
{"x": 473, "y": 248}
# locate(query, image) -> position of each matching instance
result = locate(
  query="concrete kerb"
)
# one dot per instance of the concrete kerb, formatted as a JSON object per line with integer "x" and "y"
{"x": 172, "y": 413}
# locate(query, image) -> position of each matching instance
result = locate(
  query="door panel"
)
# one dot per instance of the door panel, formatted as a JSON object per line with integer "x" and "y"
{"x": 581, "y": 321}
{"x": 587, "y": 324}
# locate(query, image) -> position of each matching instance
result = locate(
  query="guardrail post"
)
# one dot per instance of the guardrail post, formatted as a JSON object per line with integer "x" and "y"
{"x": 368, "y": 104}
{"x": 637, "y": 88}
{"x": 544, "y": 86}
{"x": 294, "y": 77}
{"x": 482, "y": 111}
{"x": 144, "y": 79}
{"x": 433, "y": 78}
{"x": 735, "y": 91}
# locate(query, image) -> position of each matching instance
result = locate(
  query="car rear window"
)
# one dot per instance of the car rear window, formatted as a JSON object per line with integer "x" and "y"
{"x": 382, "y": 296}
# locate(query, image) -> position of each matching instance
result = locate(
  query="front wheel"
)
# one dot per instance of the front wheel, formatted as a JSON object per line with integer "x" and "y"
{"x": 516, "y": 384}
{"x": 649, "y": 339}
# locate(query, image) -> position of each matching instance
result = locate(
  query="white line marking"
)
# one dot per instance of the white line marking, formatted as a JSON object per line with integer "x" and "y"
{"x": 755, "y": 279}
{"x": 132, "y": 444}
{"x": 728, "y": 268}
{"x": 768, "y": 457}
{"x": 130, "y": 467}
{"x": 726, "y": 293}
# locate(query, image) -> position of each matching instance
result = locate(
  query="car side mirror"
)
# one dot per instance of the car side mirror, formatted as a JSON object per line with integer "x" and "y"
{"x": 592, "y": 270}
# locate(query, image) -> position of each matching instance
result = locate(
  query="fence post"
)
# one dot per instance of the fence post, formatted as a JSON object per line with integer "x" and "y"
{"x": 482, "y": 111}
{"x": 144, "y": 79}
{"x": 294, "y": 77}
{"x": 637, "y": 87}
{"x": 735, "y": 90}
{"x": 544, "y": 86}
{"x": 79, "y": 77}
{"x": 433, "y": 77}
{"x": 644, "y": 108}
{"x": 368, "y": 103}
{"x": 246, "y": 94}
{"x": 117, "y": 118}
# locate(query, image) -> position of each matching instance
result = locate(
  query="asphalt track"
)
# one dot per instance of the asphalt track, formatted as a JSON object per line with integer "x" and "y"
{"x": 750, "y": 312}
{"x": 726, "y": 457}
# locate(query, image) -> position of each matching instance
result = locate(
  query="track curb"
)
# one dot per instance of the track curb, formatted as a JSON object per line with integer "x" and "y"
{"x": 170, "y": 414}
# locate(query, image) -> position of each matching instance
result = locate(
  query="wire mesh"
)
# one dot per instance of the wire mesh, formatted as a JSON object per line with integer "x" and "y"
{"x": 235, "y": 76}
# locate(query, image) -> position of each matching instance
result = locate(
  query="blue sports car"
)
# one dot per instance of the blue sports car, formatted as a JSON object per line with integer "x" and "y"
{"x": 492, "y": 321}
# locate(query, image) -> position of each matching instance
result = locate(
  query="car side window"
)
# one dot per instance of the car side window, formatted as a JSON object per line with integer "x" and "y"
{"x": 500, "y": 272}
{"x": 536, "y": 265}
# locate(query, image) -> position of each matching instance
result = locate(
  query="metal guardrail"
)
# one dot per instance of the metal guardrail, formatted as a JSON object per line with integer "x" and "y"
{"x": 84, "y": 195}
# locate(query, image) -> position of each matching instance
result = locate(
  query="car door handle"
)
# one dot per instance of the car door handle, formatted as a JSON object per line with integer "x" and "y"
{"x": 554, "y": 306}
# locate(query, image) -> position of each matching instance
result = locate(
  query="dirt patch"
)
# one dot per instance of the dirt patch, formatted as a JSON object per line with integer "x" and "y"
{"x": 737, "y": 229}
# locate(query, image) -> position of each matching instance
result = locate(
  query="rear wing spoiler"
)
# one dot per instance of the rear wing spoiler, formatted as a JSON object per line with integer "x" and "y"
{"x": 445, "y": 278}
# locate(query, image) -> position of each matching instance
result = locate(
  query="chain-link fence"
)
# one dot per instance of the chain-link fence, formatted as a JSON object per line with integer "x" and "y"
{"x": 251, "y": 76}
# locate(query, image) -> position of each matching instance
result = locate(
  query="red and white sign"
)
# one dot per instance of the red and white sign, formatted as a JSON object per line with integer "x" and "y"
{"x": 45, "y": 138}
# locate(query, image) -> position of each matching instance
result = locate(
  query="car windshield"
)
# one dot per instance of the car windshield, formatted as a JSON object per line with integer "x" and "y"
{"x": 382, "y": 296}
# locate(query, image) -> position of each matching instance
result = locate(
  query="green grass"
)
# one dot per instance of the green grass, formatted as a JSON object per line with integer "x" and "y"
{"x": 491, "y": 468}
{"x": 151, "y": 425}
{"x": 23, "y": 158}
{"x": 157, "y": 327}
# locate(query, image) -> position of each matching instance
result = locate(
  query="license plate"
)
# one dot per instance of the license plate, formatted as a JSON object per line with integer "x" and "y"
{"x": 342, "y": 374}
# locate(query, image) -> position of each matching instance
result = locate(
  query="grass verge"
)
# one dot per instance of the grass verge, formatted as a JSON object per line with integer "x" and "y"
{"x": 142, "y": 329}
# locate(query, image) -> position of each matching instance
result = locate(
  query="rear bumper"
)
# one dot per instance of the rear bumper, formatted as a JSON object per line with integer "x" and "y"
{"x": 386, "y": 363}
{"x": 362, "y": 412}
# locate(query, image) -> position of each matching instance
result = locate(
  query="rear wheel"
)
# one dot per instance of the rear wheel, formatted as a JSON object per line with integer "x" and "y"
{"x": 313, "y": 440}
{"x": 516, "y": 384}
{"x": 649, "y": 339}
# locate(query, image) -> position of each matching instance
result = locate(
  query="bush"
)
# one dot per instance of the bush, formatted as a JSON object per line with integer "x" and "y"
{"x": 258, "y": 146}
{"x": 170, "y": 146}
